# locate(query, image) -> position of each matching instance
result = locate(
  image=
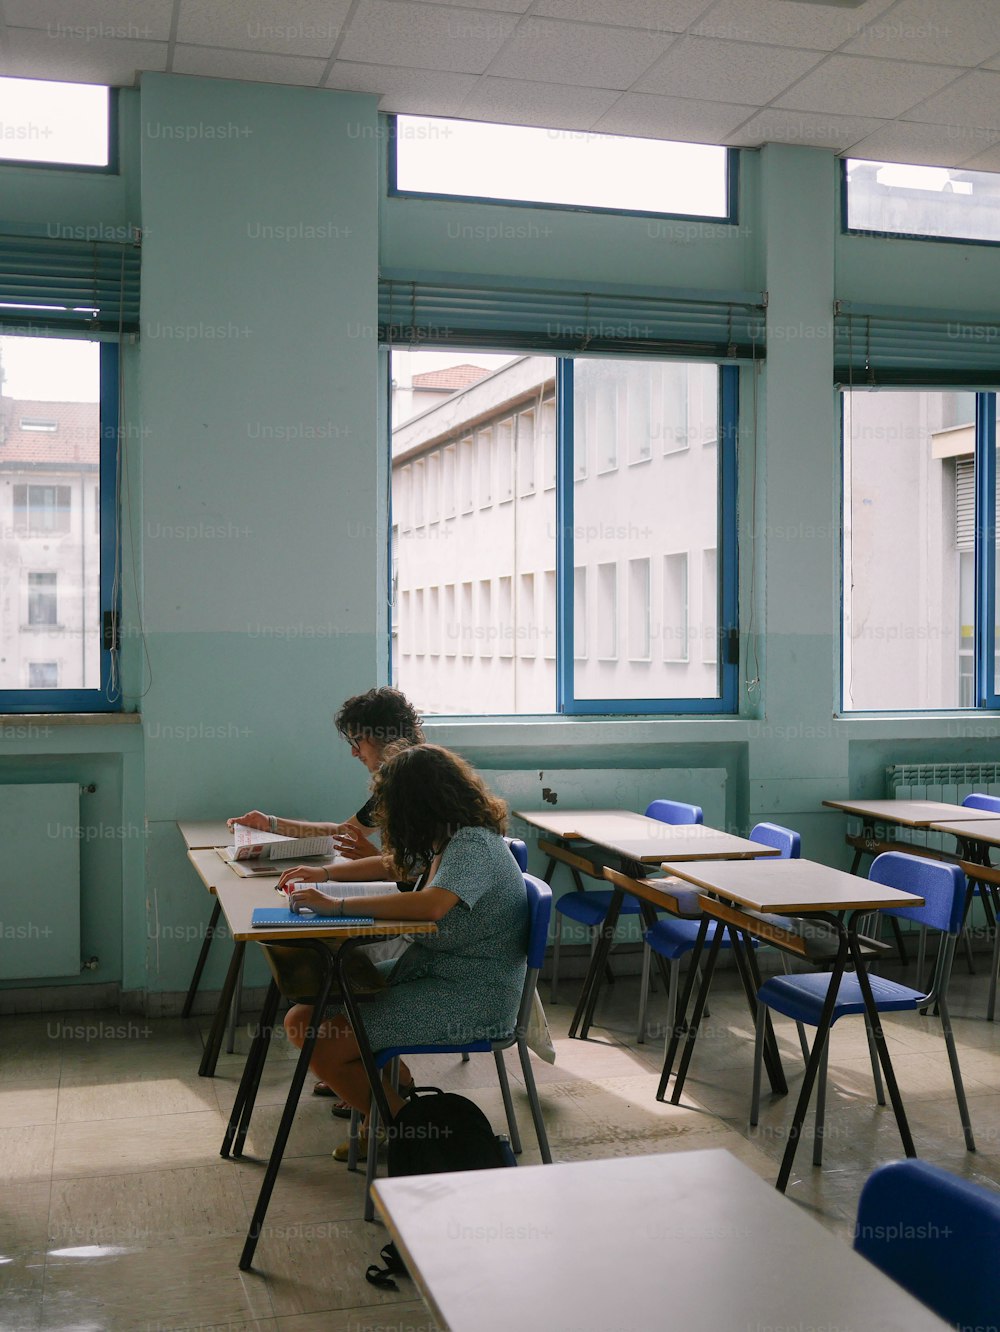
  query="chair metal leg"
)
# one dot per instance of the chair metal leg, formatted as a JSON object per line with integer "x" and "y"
{"x": 643, "y": 994}
{"x": 921, "y": 953}
{"x": 508, "y": 1104}
{"x": 239, "y": 1120}
{"x": 956, "y": 1074}
{"x": 821, "y": 1106}
{"x": 995, "y": 962}
{"x": 536, "y": 1109}
{"x": 556, "y": 943}
{"x": 465, "y": 1057}
{"x": 210, "y": 1055}
{"x": 800, "y": 1027}
{"x": 352, "y": 1141}
{"x": 873, "y": 1056}
{"x": 371, "y": 1165}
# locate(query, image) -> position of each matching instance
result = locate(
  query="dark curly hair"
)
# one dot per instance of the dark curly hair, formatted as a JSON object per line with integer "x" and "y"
{"x": 382, "y": 715}
{"x": 423, "y": 794}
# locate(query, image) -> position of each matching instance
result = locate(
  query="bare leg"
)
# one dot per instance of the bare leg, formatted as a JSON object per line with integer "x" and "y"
{"x": 337, "y": 1059}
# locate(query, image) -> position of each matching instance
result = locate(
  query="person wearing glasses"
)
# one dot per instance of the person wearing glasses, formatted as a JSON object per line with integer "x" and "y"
{"x": 368, "y": 722}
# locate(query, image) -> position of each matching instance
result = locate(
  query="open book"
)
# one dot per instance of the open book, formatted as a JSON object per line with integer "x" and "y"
{"x": 250, "y": 844}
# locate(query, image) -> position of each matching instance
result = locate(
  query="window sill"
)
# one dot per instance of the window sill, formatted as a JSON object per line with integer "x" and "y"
{"x": 70, "y": 718}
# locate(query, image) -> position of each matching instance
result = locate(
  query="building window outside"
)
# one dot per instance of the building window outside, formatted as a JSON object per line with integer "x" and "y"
{"x": 892, "y": 198}
{"x": 42, "y": 605}
{"x": 626, "y": 588}
{"x": 43, "y": 675}
{"x": 41, "y": 510}
{"x": 914, "y": 625}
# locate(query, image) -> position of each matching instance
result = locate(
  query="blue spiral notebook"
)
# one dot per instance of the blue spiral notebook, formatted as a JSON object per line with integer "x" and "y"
{"x": 271, "y": 918}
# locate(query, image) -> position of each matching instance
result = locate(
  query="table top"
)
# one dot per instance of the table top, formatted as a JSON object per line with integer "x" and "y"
{"x": 694, "y": 1239}
{"x": 213, "y": 871}
{"x": 200, "y": 834}
{"x": 980, "y": 830}
{"x": 649, "y": 841}
{"x": 911, "y": 813}
{"x": 790, "y": 885}
{"x": 239, "y": 898}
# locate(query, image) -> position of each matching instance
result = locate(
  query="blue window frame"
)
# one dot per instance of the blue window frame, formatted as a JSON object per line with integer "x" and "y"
{"x": 52, "y": 573}
{"x": 920, "y": 555}
{"x": 625, "y": 532}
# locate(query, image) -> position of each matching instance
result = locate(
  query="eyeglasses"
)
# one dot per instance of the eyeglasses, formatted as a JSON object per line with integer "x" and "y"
{"x": 355, "y": 744}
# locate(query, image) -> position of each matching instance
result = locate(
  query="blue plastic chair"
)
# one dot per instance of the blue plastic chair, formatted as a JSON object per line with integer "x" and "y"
{"x": 673, "y": 936}
{"x": 937, "y": 1236}
{"x": 539, "y": 896}
{"x": 590, "y": 906}
{"x": 519, "y": 851}
{"x": 801, "y": 996}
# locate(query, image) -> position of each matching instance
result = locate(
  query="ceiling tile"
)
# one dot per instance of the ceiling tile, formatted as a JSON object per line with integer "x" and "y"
{"x": 94, "y": 19}
{"x": 961, "y": 32}
{"x": 783, "y": 23}
{"x": 253, "y": 66}
{"x": 680, "y": 118}
{"x": 739, "y": 72}
{"x": 811, "y": 129}
{"x": 866, "y": 86}
{"x": 922, "y": 145}
{"x": 650, "y": 15}
{"x": 972, "y": 101}
{"x": 399, "y": 32}
{"x": 550, "y": 105}
{"x": 29, "y": 54}
{"x": 295, "y": 27}
{"x": 550, "y": 51}
{"x": 985, "y": 161}
{"x": 407, "y": 91}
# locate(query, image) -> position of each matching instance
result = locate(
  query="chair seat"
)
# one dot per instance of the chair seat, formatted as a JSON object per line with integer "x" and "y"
{"x": 590, "y": 908}
{"x": 801, "y": 996}
{"x": 672, "y": 938}
{"x": 383, "y": 1057}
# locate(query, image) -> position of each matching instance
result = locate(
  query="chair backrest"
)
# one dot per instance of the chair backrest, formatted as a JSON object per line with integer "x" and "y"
{"x": 942, "y": 886}
{"x": 979, "y": 800}
{"x": 519, "y": 851}
{"x": 674, "y": 811}
{"x": 784, "y": 840}
{"x": 937, "y": 1236}
{"x": 539, "y": 912}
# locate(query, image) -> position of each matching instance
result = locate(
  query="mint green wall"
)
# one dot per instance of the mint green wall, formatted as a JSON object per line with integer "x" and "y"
{"x": 258, "y": 389}
{"x": 257, "y": 483}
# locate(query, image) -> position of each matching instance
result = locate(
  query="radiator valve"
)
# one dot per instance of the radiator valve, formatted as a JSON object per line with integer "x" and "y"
{"x": 91, "y": 964}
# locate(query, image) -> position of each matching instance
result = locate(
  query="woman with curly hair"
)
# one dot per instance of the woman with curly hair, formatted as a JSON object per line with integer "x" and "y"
{"x": 438, "y": 819}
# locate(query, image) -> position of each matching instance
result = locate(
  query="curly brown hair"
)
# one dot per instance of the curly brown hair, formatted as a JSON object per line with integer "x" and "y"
{"x": 381, "y": 715}
{"x": 423, "y": 794}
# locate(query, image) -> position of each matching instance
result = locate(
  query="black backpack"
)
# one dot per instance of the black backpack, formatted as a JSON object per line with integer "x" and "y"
{"x": 435, "y": 1132}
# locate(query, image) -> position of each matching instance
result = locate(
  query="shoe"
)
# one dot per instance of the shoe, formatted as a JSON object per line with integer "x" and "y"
{"x": 341, "y": 1153}
{"x": 340, "y": 1110}
{"x": 321, "y": 1089}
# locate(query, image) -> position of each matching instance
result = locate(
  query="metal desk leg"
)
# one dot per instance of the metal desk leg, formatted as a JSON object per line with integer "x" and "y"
{"x": 591, "y": 986}
{"x": 210, "y": 1057}
{"x": 696, "y": 1016}
{"x": 234, "y": 1012}
{"x": 680, "y": 1019}
{"x": 746, "y": 964}
{"x": 878, "y": 1035}
{"x": 239, "y": 1117}
{"x": 815, "y": 1059}
{"x": 199, "y": 966}
{"x": 288, "y": 1115}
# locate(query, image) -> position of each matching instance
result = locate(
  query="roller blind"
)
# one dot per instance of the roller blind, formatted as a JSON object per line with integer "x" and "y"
{"x": 58, "y": 284}
{"x": 885, "y": 346}
{"x": 456, "y": 310}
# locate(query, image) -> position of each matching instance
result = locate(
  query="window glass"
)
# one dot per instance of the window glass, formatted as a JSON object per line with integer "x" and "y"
{"x": 65, "y": 123}
{"x": 923, "y": 201}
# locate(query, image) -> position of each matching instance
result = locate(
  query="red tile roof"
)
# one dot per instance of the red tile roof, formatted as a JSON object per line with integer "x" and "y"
{"x": 76, "y": 438}
{"x": 452, "y": 378}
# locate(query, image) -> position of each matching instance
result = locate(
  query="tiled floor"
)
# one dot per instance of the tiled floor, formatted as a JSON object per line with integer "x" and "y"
{"x": 118, "y": 1213}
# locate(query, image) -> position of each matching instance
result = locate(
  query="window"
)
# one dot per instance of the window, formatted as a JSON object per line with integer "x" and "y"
{"x": 58, "y": 530}
{"x": 43, "y": 675}
{"x": 890, "y": 198}
{"x": 63, "y": 123}
{"x": 41, "y": 510}
{"x": 451, "y": 625}
{"x": 477, "y": 160}
{"x": 42, "y": 608}
{"x": 919, "y": 627}
{"x": 448, "y": 500}
{"x": 608, "y": 588}
{"x": 45, "y": 427}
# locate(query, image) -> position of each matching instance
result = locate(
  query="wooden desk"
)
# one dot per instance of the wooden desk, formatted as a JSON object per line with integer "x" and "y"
{"x": 909, "y": 813}
{"x": 975, "y": 838}
{"x": 238, "y": 901}
{"x": 787, "y": 887}
{"x": 199, "y": 834}
{"x": 692, "y": 1240}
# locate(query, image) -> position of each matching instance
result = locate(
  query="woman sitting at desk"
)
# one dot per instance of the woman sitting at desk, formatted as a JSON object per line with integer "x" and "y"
{"x": 464, "y": 982}
{"x": 369, "y": 722}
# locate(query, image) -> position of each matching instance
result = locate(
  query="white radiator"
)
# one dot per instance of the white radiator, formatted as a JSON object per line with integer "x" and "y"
{"x": 39, "y": 881}
{"x": 950, "y": 782}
